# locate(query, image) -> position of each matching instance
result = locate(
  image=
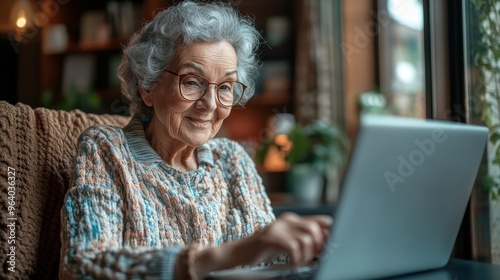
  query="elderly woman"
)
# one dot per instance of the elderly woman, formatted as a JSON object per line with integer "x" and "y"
{"x": 162, "y": 197}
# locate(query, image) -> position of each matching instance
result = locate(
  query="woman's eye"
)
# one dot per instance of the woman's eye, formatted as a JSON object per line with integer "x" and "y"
{"x": 225, "y": 87}
{"x": 193, "y": 84}
{"x": 192, "y": 81}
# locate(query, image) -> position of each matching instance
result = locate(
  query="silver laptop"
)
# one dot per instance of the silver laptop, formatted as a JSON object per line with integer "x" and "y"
{"x": 403, "y": 198}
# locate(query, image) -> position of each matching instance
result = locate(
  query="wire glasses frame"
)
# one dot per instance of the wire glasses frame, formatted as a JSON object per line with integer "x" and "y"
{"x": 193, "y": 87}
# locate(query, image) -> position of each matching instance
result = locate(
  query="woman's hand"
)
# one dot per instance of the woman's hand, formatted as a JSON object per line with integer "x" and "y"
{"x": 302, "y": 238}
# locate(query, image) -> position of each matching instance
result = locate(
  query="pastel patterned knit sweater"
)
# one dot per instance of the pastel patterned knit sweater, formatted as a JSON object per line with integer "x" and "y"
{"x": 128, "y": 213}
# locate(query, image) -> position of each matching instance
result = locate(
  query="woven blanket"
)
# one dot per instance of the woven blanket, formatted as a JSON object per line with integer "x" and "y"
{"x": 37, "y": 147}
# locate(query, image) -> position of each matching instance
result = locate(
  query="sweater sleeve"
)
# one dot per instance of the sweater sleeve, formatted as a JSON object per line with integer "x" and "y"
{"x": 248, "y": 184}
{"x": 92, "y": 223}
{"x": 248, "y": 188}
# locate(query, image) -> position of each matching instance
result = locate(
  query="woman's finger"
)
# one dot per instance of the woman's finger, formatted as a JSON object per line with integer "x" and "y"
{"x": 308, "y": 248}
{"x": 324, "y": 220}
{"x": 300, "y": 237}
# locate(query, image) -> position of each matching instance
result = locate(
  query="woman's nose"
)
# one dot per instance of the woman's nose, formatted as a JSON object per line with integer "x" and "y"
{"x": 210, "y": 96}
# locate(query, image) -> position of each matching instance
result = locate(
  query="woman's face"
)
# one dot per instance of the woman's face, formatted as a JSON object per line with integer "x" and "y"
{"x": 193, "y": 122}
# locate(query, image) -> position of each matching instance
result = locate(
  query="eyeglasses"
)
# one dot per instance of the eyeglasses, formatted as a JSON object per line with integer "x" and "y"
{"x": 193, "y": 87}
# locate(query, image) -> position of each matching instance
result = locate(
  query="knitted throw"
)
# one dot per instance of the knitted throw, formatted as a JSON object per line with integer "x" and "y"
{"x": 39, "y": 144}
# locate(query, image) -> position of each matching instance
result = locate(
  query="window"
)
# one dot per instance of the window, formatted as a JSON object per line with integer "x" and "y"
{"x": 482, "y": 94}
{"x": 441, "y": 60}
{"x": 401, "y": 46}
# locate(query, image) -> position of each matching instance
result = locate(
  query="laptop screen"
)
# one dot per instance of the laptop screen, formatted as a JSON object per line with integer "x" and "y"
{"x": 403, "y": 197}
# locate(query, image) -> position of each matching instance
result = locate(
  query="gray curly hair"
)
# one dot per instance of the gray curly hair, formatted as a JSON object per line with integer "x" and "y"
{"x": 151, "y": 49}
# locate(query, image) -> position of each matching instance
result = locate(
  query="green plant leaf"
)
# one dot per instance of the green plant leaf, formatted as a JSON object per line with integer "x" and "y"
{"x": 494, "y": 195}
{"x": 94, "y": 100}
{"x": 496, "y": 159}
{"x": 300, "y": 146}
{"x": 262, "y": 150}
{"x": 495, "y": 137}
{"x": 488, "y": 183}
{"x": 47, "y": 97}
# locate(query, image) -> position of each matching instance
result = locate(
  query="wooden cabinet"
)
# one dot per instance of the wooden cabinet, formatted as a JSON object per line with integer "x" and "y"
{"x": 91, "y": 36}
{"x": 96, "y": 60}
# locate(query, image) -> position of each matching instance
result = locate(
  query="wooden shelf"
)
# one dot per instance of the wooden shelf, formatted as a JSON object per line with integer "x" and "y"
{"x": 269, "y": 99}
{"x": 113, "y": 45}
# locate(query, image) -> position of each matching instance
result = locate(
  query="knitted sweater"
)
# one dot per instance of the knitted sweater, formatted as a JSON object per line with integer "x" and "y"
{"x": 128, "y": 213}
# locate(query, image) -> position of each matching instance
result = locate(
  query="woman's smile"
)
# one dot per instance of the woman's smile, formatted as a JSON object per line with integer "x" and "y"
{"x": 198, "y": 122}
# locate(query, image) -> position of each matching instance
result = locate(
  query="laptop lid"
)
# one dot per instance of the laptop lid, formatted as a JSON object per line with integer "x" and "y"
{"x": 403, "y": 197}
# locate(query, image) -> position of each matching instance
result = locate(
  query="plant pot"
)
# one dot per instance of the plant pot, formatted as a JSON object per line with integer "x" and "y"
{"x": 305, "y": 183}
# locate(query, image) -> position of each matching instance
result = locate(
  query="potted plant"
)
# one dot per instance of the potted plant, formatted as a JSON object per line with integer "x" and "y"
{"x": 486, "y": 60}
{"x": 312, "y": 153}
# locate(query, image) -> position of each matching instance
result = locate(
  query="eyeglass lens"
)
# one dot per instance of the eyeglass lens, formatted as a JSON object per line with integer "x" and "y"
{"x": 193, "y": 88}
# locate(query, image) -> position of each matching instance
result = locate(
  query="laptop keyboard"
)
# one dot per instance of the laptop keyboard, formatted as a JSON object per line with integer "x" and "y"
{"x": 301, "y": 273}
{"x": 280, "y": 271}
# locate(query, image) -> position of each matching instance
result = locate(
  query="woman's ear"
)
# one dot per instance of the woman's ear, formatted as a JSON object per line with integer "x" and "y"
{"x": 147, "y": 96}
